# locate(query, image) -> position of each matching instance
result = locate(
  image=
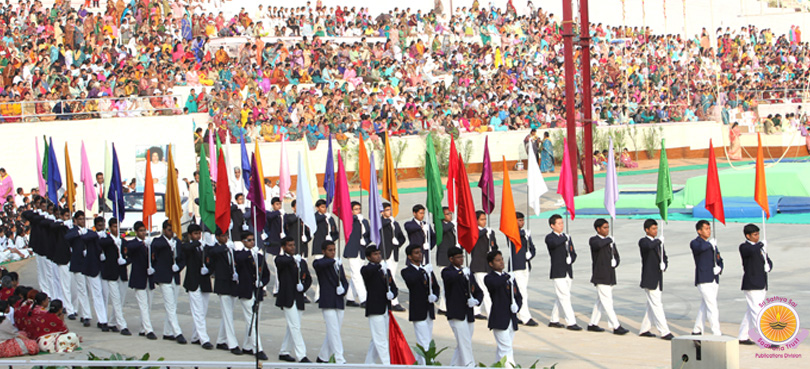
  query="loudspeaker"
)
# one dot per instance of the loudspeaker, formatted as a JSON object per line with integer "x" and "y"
{"x": 709, "y": 352}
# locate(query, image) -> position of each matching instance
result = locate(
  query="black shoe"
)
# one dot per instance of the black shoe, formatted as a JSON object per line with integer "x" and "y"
{"x": 668, "y": 337}
{"x": 81, "y": 320}
{"x": 168, "y": 338}
{"x": 318, "y": 360}
{"x": 480, "y": 317}
{"x": 180, "y": 339}
{"x": 399, "y": 308}
{"x": 531, "y": 323}
{"x": 647, "y": 334}
{"x": 151, "y": 336}
{"x": 620, "y": 331}
{"x": 208, "y": 346}
{"x": 286, "y": 358}
{"x": 307, "y": 300}
{"x": 87, "y": 323}
{"x": 696, "y": 333}
{"x": 556, "y": 325}
{"x": 222, "y": 346}
{"x": 351, "y": 304}
{"x": 125, "y": 332}
{"x": 746, "y": 342}
{"x": 595, "y": 328}
{"x": 305, "y": 360}
{"x": 247, "y": 352}
{"x": 442, "y": 312}
{"x": 99, "y": 325}
{"x": 197, "y": 342}
{"x": 363, "y": 305}
{"x": 113, "y": 329}
{"x": 142, "y": 334}
{"x": 105, "y": 328}
{"x": 72, "y": 316}
{"x": 236, "y": 351}
{"x": 573, "y": 327}
{"x": 261, "y": 356}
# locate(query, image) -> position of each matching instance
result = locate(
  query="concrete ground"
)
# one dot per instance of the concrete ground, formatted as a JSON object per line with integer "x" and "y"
{"x": 548, "y": 345}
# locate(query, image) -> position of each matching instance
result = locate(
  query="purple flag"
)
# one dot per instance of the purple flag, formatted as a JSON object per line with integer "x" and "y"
{"x": 611, "y": 184}
{"x": 486, "y": 184}
{"x": 329, "y": 175}
{"x": 256, "y": 198}
{"x": 374, "y": 205}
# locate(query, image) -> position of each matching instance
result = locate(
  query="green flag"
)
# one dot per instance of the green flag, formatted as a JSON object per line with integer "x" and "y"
{"x": 663, "y": 195}
{"x": 435, "y": 191}
{"x": 206, "y": 195}
{"x": 45, "y": 159}
{"x": 219, "y": 145}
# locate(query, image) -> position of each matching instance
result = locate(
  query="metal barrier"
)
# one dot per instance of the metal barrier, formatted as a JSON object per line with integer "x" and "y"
{"x": 104, "y": 108}
{"x": 777, "y": 96}
{"x": 196, "y": 364}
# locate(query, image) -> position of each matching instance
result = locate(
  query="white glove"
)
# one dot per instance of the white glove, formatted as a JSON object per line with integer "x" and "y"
{"x": 661, "y": 238}
{"x": 395, "y": 241}
{"x": 425, "y": 226}
{"x": 663, "y": 266}
{"x": 338, "y": 262}
{"x": 431, "y": 298}
{"x": 767, "y": 267}
{"x": 389, "y": 295}
{"x": 282, "y": 234}
{"x": 258, "y": 284}
{"x": 428, "y": 268}
{"x": 121, "y": 261}
{"x": 568, "y": 259}
{"x": 471, "y": 302}
{"x": 359, "y": 217}
{"x": 299, "y": 287}
{"x": 362, "y": 240}
{"x": 297, "y": 258}
{"x": 384, "y": 266}
{"x": 102, "y": 234}
{"x": 148, "y": 242}
{"x": 568, "y": 237}
{"x": 489, "y": 231}
{"x": 713, "y": 242}
{"x": 102, "y": 257}
{"x": 211, "y": 241}
{"x": 82, "y": 231}
{"x": 528, "y": 233}
{"x": 117, "y": 242}
{"x": 328, "y": 237}
{"x": 466, "y": 272}
{"x": 204, "y": 270}
{"x": 68, "y": 223}
{"x": 513, "y": 308}
{"x": 84, "y": 252}
{"x": 340, "y": 290}
{"x": 281, "y": 211}
{"x": 717, "y": 269}
{"x": 304, "y": 238}
{"x": 512, "y": 277}
{"x": 245, "y": 227}
{"x": 235, "y": 277}
{"x": 528, "y": 254}
{"x": 175, "y": 268}
{"x": 230, "y": 244}
{"x": 150, "y": 271}
{"x": 613, "y": 263}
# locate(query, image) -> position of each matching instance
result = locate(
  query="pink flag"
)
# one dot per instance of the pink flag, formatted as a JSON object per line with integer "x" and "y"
{"x": 87, "y": 180}
{"x": 565, "y": 186}
{"x": 40, "y": 179}
{"x": 284, "y": 180}
{"x": 343, "y": 203}
{"x": 212, "y": 157}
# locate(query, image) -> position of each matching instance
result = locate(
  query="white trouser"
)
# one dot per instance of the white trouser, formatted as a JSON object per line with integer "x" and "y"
{"x": 170, "y": 325}
{"x": 99, "y": 302}
{"x": 116, "y": 291}
{"x": 752, "y": 298}
{"x": 318, "y": 285}
{"x": 63, "y": 281}
{"x": 227, "y": 334}
{"x": 392, "y": 266}
{"x": 486, "y": 304}
{"x": 503, "y": 339}
{"x": 424, "y": 334}
{"x": 250, "y": 326}
{"x": 293, "y": 339}
{"x": 463, "y": 330}
{"x": 54, "y": 272}
{"x": 708, "y": 308}
{"x": 562, "y": 287}
{"x": 356, "y": 282}
{"x": 604, "y": 301}
{"x": 144, "y": 298}
{"x": 378, "y": 348}
{"x": 42, "y": 275}
{"x": 166, "y": 322}
{"x": 332, "y": 343}
{"x": 198, "y": 304}
{"x": 654, "y": 313}
{"x": 272, "y": 261}
{"x": 441, "y": 304}
{"x": 522, "y": 281}
{"x": 80, "y": 300}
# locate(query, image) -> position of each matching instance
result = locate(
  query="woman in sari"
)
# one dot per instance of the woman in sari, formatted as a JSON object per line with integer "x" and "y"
{"x": 43, "y": 322}
{"x": 734, "y": 148}
{"x": 626, "y": 161}
{"x": 547, "y": 155}
{"x": 13, "y": 343}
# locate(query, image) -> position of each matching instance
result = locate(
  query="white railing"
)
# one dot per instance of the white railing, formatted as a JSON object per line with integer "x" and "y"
{"x": 102, "y": 110}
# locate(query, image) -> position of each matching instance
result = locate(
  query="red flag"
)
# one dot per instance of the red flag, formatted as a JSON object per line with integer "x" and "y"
{"x": 342, "y": 206}
{"x": 467, "y": 221}
{"x": 398, "y": 349}
{"x": 714, "y": 198}
{"x": 363, "y": 166}
{"x": 452, "y": 171}
{"x": 223, "y": 200}
{"x": 760, "y": 189}
{"x": 149, "y": 205}
{"x": 509, "y": 225}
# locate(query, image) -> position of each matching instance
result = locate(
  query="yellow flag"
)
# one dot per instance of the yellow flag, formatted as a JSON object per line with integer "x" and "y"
{"x": 389, "y": 181}
{"x": 70, "y": 187}
{"x": 258, "y": 155}
{"x": 172, "y": 205}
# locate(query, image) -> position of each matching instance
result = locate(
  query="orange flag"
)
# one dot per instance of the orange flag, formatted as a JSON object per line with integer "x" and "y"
{"x": 509, "y": 225}
{"x": 364, "y": 166}
{"x": 70, "y": 187}
{"x": 760, "y": 189}
{"x": 389, "y": 181}
{"x": 149, "y": 205}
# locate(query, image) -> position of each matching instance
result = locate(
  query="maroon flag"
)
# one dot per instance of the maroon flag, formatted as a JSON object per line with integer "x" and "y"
{"x": 486, "y": 183}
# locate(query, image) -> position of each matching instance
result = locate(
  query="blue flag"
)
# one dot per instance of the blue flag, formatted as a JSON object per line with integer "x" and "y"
{"x": 54, "y": 177}
{"x": 329, "y": 175}
{"x": 116, "y": 192}
{"x": 245, "y": 164}
{"x": 374, "y": 205}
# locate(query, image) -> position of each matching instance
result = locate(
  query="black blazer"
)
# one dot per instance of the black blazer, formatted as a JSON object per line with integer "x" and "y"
{"x": 57, "y": 248}
{"x": 478, "y": 257}
{"x": 652, "y": 277}
{"x": 456, "y": 293}
{"x": 289, "y": 274}
{"x": 320, "y": 234}
{"x": 76, "y": 249}
{"x": 754, "y": 276}
{"x": 353, "y": 247}
{"x": 501, "y": 314}
{"x": 519, "y": 259}
{"x": 417, "y": 237}
{"x": 273, "y": 228}
{"x": 223, "y": 270}
{"x": 246, "y": 267}
{"x": 136, "y": 253}
{"x": 238, "y": 220}
{"x": 92, "y": 263}
{"x": 34, "y": 238}
{"x": 163, "y": 258}
{"x": 293, "y": 227}
{"x": 601, "y": 271}
{"x": 418, "y": 291}
{"x": 377, "y": 285}
{"x": 391, "y": 230}
{"x": 703, "y": 253}
{"x": 328, "y": 279}
{"x": 557, "y": 252}
{"x": 448, "y": 241}
{"x": 110, "y": 270}
{"x": 194, "y": 255}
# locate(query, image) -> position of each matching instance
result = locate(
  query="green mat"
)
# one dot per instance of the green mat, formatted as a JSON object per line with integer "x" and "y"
{"x": 785, "y": 179}
{"x": 775, "y": 219}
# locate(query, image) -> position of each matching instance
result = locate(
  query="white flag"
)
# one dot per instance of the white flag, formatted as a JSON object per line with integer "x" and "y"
{"x": 537, "y": 185}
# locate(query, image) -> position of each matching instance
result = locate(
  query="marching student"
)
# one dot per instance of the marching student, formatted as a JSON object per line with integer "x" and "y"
{"x": 708, "y": 267}
{"x": 562, "y": 254}
{"x": 756, "y": 266}
{"x": 197, "y": 284}
{"x": 327, "y": 231}
{"x": 463, "y": 294}
{"x": 225, "y": 286}
{"x": 393, "y": 238}
{"x": 381, "y": 290}
{"x": 114, "y": 274}
{"x": 34, "y": 217}
{"x": 506, "y": 301}
{"x": 448, "y": 241}
{"x": 294, "y": 280}
{"x": 274, "y": 227}
{"x": 420, "y": 232}
{"x": 604, "y": 260}
{"x": 92, "y": 268}
{"x": 295, "y": 228}
{"x": 77, "y": 254}
{"x": 478, "y": 260}
{"x": 354, "y": 252}
{"x": 238, "y": 209}
{"x": 57, "y": 258}
{"x": 521, "y": 266}
{"x": 332, "y": 279}
{"x": 253, "y": 275}
{"x": 168, "y": 262}
{"x": 423, "y": 292}
{"x": 654, "y": 262}
{"x": 137, "y": 252}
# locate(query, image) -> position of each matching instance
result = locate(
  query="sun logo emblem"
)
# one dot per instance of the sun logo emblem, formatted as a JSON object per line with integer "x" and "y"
{"x": 778, "y": 323}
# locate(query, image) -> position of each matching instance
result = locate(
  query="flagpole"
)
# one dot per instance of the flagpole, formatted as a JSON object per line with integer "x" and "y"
{"x": 255, "y": 317}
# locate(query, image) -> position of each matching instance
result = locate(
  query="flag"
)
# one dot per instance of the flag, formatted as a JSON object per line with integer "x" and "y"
{"x": 40, "y": 178}
{"x": 115, "y": 193}
{"x": 509, "y": 225}
{"x": 312, "y": 180}
{"x": 486, "y": 183}
{"x": 760, "y": 187}
{"x": 284, "y": 180}
{"x": 400, "y": 353}
{"x": 45, "y": 155}
{"x": 452, "y": 168}
{"x": 230, "y": 169}
{"x": 149, "y": 204}
{"x": 611, "y": 184}
{"x": 329, "y": 175}
{"x": 255, "y": 197}
{"x": 87, "y": 181}
{"x": 343, "y": 205}
{"x": 467, "y": 221}
{"x": 389, "y": 180}
{"x": 206, "y": 196}
{"x": 171, "y": 200}
{"x": 223, "y": 198}
{"x": 435, "y": 192}
{"x": 54, "y": 177}
{"x": 714, "y": 198}
{"x": 565, "y": 185}
{"x": 536, "y": 183}
{"x": 70, "y": 186}
{"x": 663, "y": 195}
{"x": 212, "y": 160}
{"x": 374, "y": 204}
{"x": 258, "y": 156}
{"x": 305, "y": 205}
{"x": 108, "y": 171}
{"x": 362, "y": 164}
{"x": 245, "y": 164}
